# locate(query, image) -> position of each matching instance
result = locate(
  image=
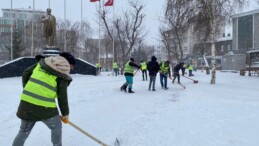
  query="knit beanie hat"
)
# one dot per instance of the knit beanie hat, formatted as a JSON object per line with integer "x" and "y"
{"x": 69, "y": 57}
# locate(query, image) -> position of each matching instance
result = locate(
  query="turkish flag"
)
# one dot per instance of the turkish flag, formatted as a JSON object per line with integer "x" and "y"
{"x": 109, "y": 3}
{"x": 94, "y": 0}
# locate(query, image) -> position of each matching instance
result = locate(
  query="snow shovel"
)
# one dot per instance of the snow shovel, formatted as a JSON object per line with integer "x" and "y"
{"x": 194, "y": 81}
{"x": 172, "y": 79}
{"x": 117, "y": 143}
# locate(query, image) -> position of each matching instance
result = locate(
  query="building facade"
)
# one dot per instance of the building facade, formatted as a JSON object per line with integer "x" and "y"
{"x": 19, "y": 19}
{"x": 245, "y": 31}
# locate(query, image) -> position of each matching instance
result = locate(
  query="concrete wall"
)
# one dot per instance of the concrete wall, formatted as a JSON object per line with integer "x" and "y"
{"x": 16, "y": 67}
{"x": 233, "y": 62}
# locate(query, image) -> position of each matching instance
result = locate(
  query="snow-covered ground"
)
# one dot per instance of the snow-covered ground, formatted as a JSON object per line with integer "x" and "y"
{"x": 224, "y": 114}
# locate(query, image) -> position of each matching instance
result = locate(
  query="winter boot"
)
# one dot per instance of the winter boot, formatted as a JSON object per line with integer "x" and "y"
{"x": 123, "y": 88}
{"x": 130, "y": 91}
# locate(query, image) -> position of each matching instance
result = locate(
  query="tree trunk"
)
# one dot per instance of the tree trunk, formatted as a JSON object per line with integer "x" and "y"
{"x": 213, "y": 50}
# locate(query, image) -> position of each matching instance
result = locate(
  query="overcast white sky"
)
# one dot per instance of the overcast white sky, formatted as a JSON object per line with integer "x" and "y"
{"x": 153, "y": 10}
{"x": 73, "y": 11}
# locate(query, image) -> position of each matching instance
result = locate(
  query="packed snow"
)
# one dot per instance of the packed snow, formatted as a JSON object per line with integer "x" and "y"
{"x": 224, "y": 114}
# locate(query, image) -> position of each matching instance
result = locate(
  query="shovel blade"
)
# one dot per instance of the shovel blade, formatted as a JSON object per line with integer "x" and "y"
{"x": 117, "y": 143}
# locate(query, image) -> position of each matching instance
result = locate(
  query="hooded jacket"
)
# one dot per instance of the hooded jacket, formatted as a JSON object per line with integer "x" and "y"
{"x": 178, "y": 67}
{"x": 59, "y": 67}
{"x": 153, "y": 66}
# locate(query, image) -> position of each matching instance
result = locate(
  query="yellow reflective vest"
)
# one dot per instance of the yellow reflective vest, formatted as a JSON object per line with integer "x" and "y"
{"x": 143, "y": 65}
{"x": 41, "y": 89}
{"x": 128, "y": 68}
{"x": 115, "y": 65}
{"x": 163, "y": 68}
{"x": 97, "y": 65}
{"x": 190, "y": 67}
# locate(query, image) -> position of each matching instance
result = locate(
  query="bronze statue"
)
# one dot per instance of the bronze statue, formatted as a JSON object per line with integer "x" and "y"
{"x": 49, "y": 22}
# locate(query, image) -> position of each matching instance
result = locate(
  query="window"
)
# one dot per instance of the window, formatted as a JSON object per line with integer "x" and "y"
{"x": 228, "y": 47}
{"x": 222, "y": 48}
{"x": 185, "y": 49}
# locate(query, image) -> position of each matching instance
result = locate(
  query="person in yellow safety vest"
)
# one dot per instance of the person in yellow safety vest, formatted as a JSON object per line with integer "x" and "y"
{"x": 98, "y": 68}
{"x": 143, "y": 65}
{"x": 115, "y": 68}
{"x": 43, "y": 83}
{"x": 164, "y": 72}
{"x": 129, "y": 73}
{"x": 190, "y": 68}
{"x": 183, "y": 69}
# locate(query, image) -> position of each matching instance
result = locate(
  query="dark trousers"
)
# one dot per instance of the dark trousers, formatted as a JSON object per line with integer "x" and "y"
{"x": 115, "y": 71}
{"x": 190, "y": 73}
{"x": 178, "y": 77}
{"x": 163, "y": 80}
{"x": 144, "y": 73}
{"x": 98, "y": 70}
{"x": 152, "y": 81}
{"x": 54, "y": 124}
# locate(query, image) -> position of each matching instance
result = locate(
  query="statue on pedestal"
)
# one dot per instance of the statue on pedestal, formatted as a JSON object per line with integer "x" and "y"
{"x": 49, "y": 28}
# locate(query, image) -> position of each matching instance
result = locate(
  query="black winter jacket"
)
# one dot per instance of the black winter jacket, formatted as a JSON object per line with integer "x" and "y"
{"x": 178, "y": 67}
{"x": 153, "y": 66}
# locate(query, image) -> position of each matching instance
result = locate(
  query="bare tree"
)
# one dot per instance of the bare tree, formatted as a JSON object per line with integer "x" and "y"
{"x": 129, "y": 28}
{"x": 69, "y": 32}
{"x": 38, "y": 43}
{"x": 213, "y": 10}
{"x": 165, "y": 40}
{"x": 74, "y": 33}
{"x": 18, "y": 46}
{"x": 177, "y": 14}
{"x": 91, "y": 46}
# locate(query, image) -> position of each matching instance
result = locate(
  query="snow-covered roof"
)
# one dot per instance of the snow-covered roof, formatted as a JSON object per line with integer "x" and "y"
{"x": 246, "y": 13}
{"x": 24, "y": 10}
{"x": 14, "y": 61}
{"x": 224, "y": 39}
{"x": 86, "y": 62}
{"x": 253, "y": 50}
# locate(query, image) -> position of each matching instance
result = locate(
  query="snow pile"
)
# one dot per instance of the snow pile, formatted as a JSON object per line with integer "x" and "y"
{"x": 224, "y": 114}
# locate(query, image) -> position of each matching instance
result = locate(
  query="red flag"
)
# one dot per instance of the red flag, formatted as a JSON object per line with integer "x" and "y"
{"x": 109, "y": 3}
{"x": 94, "y": 0}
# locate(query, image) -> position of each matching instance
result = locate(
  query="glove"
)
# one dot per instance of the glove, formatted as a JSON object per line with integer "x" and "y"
{"x": 65, "y": 119}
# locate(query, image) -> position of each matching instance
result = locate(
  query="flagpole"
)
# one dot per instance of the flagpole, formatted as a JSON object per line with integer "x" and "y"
{"x": 113, "y": 36}
{"x": 65, "y": 38}
{"x": 81, "y": 31}
{"x": 81, "y": 18}
{"x": 99, "y": 41}
{"x": 32, "y": 30}
{"x": 49, "y": 3}
{"x": 12, "y": 29}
